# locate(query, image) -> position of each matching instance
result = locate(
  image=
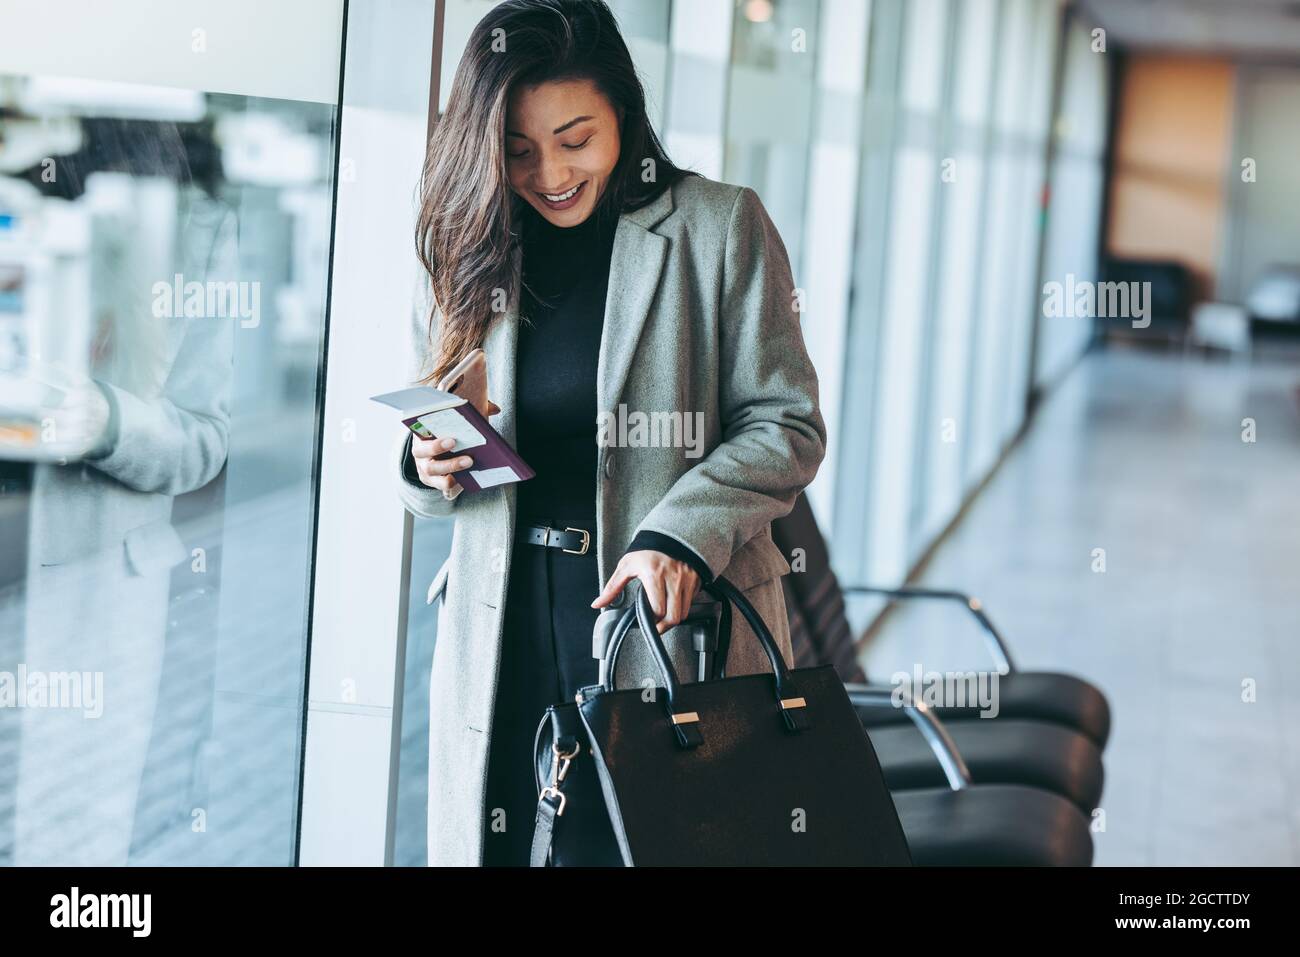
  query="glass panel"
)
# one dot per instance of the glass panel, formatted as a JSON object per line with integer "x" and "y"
{"x": 352, "y": 768}
{"x": 1074, "y": 212}
{"x": 1001, "y": 236}
{"x": 857, "y": 470}
{"x": 903, "y": 319}
{"x": 827, "y": 268}
{"x": 700, "y": 50}
{"x": 163, "y": 256}
{"x": 946, "y": 425}
{"x": 645, "y": 26}
{"x": 1034, "y": 120}
{"x": 770, "y": 108}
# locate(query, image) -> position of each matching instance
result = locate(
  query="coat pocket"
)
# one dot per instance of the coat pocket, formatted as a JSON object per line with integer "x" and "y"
{"x": 438, "y": 587}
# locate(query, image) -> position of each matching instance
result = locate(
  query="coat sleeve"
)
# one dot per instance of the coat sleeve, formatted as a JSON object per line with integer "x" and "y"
{"x": 417, "y": 497}
{"x": 655, "y": 541}
{"x": 773, "y": 434}
{"x": 178, "y": 441}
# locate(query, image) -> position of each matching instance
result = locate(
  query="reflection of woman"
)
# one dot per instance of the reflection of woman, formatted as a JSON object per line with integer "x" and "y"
{"x": 101, "y": 542}
{"x": 629, "y": 282}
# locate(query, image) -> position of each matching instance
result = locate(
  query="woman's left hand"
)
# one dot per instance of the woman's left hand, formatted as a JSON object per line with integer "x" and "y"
{"x": 669, "y": 584}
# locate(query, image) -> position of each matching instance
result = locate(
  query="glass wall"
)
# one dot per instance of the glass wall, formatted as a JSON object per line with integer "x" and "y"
{"x": 959, "y": 263}
{"x": 908, "y": 235}
{"x": 165, "y": 227}
{"x": 770, "y": 108}
{"x": 944, "y": 336}
{"x": 1076, "y": 179}
{"x": 825, "y": 269}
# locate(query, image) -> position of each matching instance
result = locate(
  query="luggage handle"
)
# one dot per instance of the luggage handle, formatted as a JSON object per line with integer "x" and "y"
{"x": 686, "y": 725}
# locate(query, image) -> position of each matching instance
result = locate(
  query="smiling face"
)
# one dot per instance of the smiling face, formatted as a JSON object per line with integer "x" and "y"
{"x": 562, "y": 144}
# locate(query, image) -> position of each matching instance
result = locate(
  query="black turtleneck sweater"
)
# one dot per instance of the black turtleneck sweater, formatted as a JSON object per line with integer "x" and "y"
{"x": 562, "y": 307}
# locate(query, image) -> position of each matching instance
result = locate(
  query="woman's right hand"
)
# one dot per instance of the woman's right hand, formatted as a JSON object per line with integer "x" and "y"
{"x": 436, "y": 473}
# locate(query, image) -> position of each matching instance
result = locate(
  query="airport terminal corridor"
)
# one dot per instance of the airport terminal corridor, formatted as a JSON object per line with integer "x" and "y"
{"x": 1141, "y": 453}
{"x": 1000, "y": 297}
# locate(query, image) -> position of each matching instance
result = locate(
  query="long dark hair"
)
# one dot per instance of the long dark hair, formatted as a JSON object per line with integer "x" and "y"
{"x": 469, "y": 216}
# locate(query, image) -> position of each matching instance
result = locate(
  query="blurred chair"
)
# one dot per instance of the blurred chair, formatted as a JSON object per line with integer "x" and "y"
{"x": 1222, "y": 326}
{"x": 1273, "y": 303}
{"x": 1013, "y": 790}
{"x": 961, "y": 822}
{"x": 825, "y": 637}
{"x": 1048, "y": 732}
{"x": 1170, "y": 300}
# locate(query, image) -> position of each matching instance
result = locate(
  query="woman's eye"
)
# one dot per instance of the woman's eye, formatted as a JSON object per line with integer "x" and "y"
{"x": 578, "y": 146}
{"x": 517, "y": 155}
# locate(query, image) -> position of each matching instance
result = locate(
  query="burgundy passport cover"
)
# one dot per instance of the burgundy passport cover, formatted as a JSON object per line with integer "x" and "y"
{"x": 495, "y": 463}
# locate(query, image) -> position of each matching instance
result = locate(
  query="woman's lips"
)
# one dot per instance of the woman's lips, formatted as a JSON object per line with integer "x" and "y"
{"x": 572, "y": 200}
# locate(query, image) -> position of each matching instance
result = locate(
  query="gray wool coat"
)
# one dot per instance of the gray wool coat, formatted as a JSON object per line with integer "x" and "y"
{"x": 700, "y": 317}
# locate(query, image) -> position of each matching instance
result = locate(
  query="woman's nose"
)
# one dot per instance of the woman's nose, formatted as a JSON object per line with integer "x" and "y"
{"x": 552, "y": 173}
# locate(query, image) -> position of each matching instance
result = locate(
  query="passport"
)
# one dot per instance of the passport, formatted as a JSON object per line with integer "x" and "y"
{"x": 431, "y": 413}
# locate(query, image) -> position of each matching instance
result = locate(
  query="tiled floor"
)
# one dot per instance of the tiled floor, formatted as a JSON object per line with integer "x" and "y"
{"x": 1141, "y": 454}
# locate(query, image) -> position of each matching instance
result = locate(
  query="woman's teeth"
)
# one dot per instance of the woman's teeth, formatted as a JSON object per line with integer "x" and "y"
{"x": 561, "y": 197}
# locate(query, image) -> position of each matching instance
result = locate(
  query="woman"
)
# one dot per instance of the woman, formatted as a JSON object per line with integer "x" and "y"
{"x": 605, "y": 284}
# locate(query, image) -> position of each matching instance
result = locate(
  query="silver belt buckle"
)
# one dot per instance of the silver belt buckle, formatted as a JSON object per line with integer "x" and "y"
{"x": 586, "y": 541}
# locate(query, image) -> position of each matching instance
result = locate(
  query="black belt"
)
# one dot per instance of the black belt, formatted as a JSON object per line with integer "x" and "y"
{"x": 573, "y": 541}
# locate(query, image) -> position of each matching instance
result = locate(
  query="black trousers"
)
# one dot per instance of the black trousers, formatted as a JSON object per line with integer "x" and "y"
{"x": 546, "y": 658}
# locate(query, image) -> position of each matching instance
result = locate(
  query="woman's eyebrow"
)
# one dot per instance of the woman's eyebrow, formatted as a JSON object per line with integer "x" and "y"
{"x": 558, "y": 130}
{"x": 573, "y": 122}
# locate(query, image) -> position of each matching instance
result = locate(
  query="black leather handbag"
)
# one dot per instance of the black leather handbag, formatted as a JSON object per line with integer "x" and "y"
{"x": 765, "y": 769}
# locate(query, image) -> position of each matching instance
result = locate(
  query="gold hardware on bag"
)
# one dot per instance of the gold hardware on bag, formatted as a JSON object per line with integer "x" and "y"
{"x": 686, "y": 717}
{"x": 559, "y": 768}
{"x": 793, "y": 703}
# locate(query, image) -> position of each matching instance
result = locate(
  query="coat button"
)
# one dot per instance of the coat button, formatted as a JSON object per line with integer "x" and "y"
{"x": 609, "y": 465}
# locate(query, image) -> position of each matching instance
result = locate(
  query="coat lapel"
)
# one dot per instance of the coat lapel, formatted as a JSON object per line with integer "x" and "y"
{"x": 634, "y": 270}
{"x": 500, "y": 344}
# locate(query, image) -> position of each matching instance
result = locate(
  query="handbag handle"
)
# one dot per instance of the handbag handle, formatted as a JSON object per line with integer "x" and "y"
{"x": 792, "y": 705}
{"x": 612, "y": 643}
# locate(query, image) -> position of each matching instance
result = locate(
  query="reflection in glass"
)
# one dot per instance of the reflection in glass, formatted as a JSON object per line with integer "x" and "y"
{"x": 162, "y": 277}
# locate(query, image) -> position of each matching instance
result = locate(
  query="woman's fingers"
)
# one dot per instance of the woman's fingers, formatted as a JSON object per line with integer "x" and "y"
{"x": 622, "y": 575}
{"x": 434, "y": 472}
{"x": 657, "y": 593}
{"x": 668, "y": 584}
{"x": 687, "y": 581}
